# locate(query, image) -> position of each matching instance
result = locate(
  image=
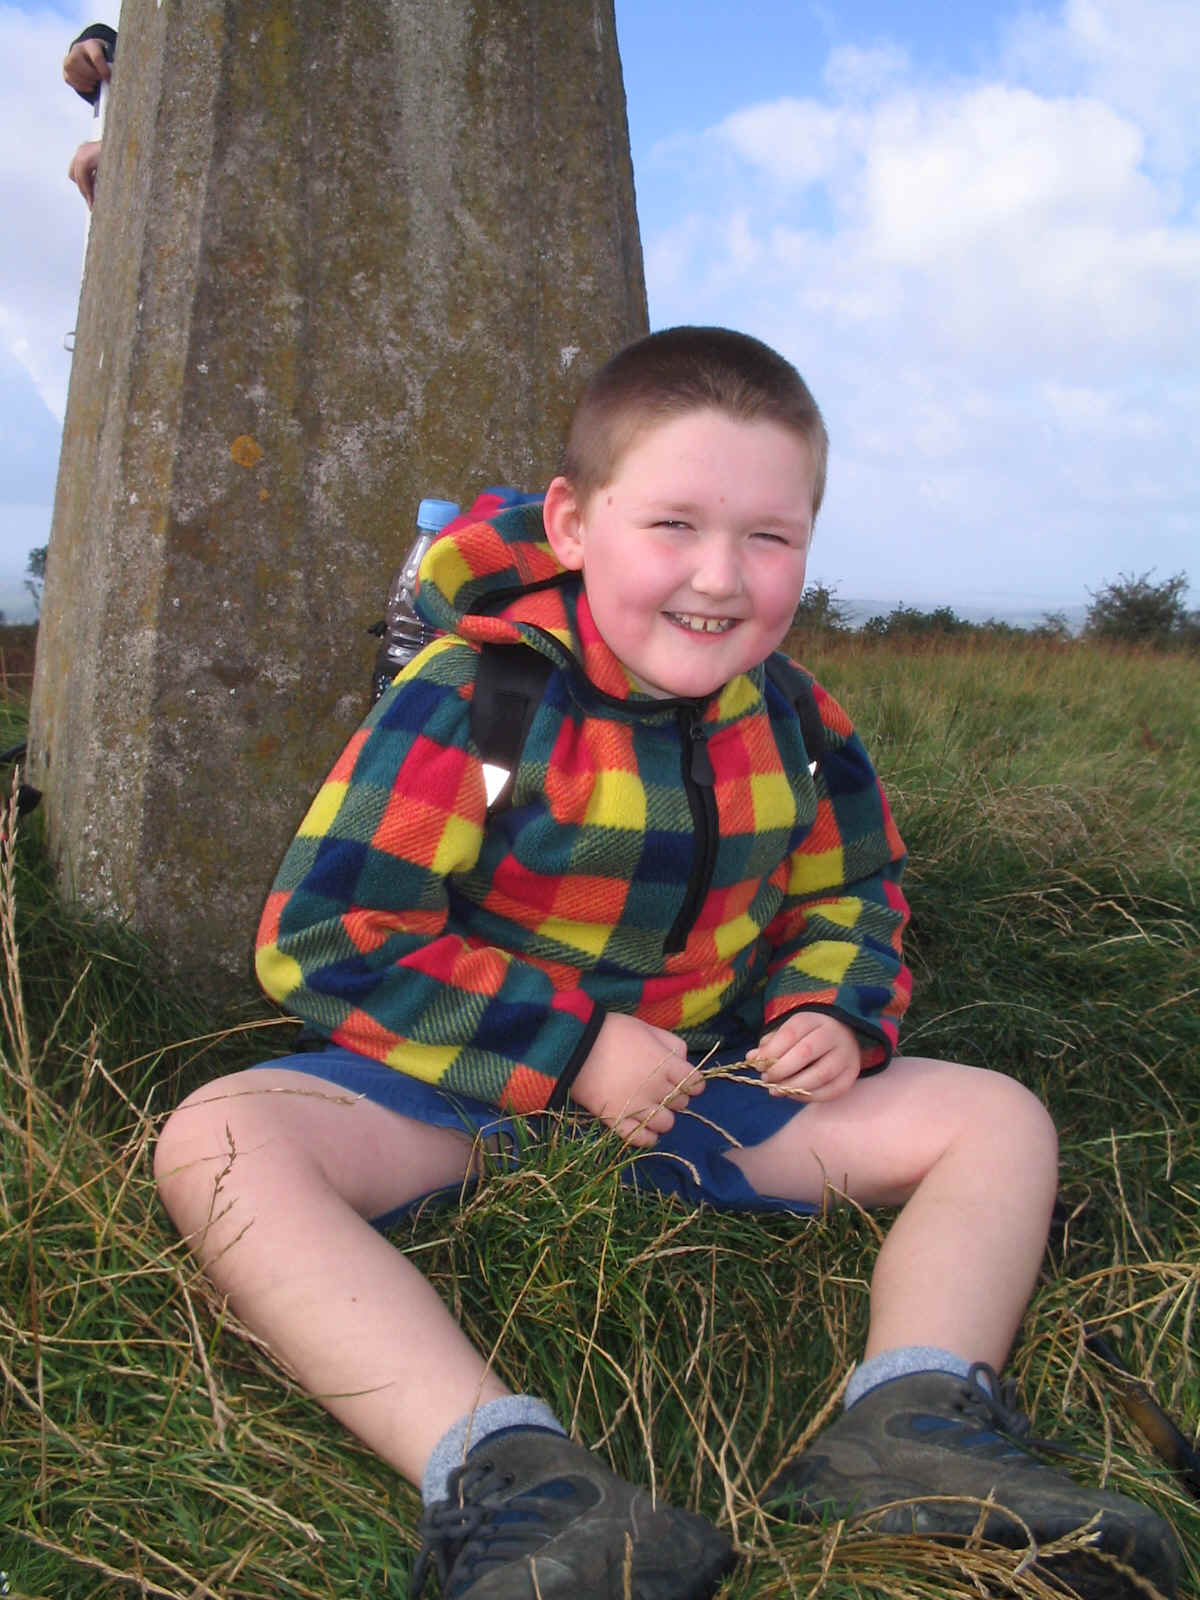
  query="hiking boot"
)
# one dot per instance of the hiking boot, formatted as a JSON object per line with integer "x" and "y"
{"x": 918, "y": 1455}
{"x": 531, "y": 1514}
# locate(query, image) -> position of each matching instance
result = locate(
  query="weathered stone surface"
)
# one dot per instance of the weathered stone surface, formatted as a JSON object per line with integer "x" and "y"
{"x": 344, "y": 255}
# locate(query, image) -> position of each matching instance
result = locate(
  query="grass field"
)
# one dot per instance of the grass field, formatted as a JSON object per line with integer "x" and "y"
{"x": 148, "y": 1445}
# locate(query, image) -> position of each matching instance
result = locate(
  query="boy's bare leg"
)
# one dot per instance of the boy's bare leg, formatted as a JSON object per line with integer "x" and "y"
{"x": 272, "y": 1176}
{"x": 971, "y": 1156}
{"x": 972, "y": 1159}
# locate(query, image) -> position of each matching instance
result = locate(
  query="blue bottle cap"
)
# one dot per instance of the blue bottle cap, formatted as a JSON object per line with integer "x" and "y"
{"x": 435, "y": 514}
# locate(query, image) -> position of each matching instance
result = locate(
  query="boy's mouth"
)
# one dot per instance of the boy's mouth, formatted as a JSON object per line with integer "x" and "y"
{"x": 695, "y": 624}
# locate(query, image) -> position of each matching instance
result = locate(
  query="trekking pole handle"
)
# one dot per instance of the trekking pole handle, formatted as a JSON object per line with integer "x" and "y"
{"x": 1144, "y": 1411}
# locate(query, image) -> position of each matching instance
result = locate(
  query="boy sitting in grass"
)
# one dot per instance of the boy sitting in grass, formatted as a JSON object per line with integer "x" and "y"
{"x": 669, "y": 884}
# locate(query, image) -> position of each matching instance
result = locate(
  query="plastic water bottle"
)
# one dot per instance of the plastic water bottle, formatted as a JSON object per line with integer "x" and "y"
{"x": 404, "y": 634}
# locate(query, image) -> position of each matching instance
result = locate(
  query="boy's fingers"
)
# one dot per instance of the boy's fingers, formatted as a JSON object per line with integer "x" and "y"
{"x": 653, "y": 1119}
{"x": 824, "y": 1080}
{"x": 645, "y": 1129}
{"x": 690, "y": 1080}
{"x": 642, "y": 1138}
{"x": 781, "y": 1041}
{"x": 795, "y": 1061}
{"x": 683, "y": 1092}
{"x": 802, "y": 1078}
{"x": 773, "y": 1051}
{"x": 834, "y": 1087}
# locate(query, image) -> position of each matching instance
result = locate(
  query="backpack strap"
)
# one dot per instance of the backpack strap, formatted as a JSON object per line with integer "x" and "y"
{"x": 510, "y": 681}
{"x": 796, "y": 684}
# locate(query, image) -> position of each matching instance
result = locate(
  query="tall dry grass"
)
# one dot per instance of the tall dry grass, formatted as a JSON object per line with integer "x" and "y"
{"x": 150, "y": 1446}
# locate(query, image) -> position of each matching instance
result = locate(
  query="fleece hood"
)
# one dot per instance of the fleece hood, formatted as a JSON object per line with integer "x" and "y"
{"x": 480, "y": 565}
{"x": 494, "y": 578}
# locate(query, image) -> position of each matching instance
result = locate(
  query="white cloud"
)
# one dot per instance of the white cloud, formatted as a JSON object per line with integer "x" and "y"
{"x": 991, "y": 283}
{"x": 1140, "y": 56}
{"x": 989, "y": 280}
{"x": 794, "y": 141}
{"x": 950, "y": 174}
{"x": 852, "y": 73}
{"x": 992, "y": 211}
{"x": 41, "y": 122}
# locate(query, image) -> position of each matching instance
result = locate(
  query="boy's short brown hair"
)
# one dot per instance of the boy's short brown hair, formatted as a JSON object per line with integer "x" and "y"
{"x": 684, "y": 369}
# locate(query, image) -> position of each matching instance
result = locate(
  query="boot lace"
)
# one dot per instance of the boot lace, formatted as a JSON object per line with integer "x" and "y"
{"x": 463, "y": 1536}
{"x": 992, "y": 1401}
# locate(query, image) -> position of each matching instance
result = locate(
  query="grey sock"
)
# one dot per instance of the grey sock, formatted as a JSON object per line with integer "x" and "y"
{"x": 901, "y": 1363}
{"x": 510, "y": 1411}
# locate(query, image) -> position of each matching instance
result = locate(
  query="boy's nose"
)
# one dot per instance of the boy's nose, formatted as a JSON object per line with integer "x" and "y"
{"x": 718, "y": 572}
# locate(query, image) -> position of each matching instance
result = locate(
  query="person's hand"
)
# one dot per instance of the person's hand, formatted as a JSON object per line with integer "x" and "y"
{"x": 84, "y": 66}
{"x": 85, "y": 163}
{"x": 809, "y": 1055}
{"x": 632, "y": 1076}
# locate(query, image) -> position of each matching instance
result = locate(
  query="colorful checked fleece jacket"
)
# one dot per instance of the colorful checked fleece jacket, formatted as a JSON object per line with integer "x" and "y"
{"x": 672, "y": 859}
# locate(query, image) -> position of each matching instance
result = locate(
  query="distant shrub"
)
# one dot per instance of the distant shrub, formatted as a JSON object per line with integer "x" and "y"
{"x": 1132, "y": 610}
{"x": 820, "y": 611}
{"x": 1053, "y": 628}
{"x": 995, "y": 628}
{"x": 35, "y": 579}
{"x": 907, "y": 622}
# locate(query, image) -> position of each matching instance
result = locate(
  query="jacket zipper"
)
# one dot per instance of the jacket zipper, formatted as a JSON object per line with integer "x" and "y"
{"x": 698, "y": 781}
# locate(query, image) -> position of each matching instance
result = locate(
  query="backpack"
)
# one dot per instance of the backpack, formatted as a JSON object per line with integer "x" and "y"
{"x": 27, "y": 796}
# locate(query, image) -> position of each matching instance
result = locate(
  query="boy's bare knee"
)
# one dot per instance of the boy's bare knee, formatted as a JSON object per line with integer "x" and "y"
{"x": 990, "y": 1113}
{"x": 1017, "y": 1116}
{"x": 1020, "y": 1106}
{"x": 196, "y": 1141}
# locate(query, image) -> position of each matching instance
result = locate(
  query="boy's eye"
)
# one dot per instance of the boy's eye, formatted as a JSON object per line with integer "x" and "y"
{"x": 772, "y": 538}
{"x": 671, "y": 522}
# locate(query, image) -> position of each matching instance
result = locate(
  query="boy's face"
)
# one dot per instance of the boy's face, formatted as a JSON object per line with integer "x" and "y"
{"x": 693, "y": 555}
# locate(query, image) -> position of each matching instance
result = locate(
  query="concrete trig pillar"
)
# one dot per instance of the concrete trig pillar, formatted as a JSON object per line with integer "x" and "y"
{"x": 344, "y": 255}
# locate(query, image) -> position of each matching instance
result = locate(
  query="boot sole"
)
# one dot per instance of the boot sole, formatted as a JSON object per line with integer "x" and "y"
{"x": 1096, "y": 1574}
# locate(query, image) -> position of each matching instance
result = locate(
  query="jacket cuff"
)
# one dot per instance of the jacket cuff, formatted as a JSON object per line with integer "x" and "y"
{"x": 877, "y": 1048}
{"x": 579, "y": 1055}
{"x": 97, "y": 30}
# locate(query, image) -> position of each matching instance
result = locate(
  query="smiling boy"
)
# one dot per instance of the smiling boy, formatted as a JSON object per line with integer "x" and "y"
{"x": 704, "y": 511}
{"x": 670, "y": 877}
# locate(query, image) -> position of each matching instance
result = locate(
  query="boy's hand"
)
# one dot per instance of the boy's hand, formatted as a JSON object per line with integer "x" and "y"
{"x": 809, "y": 1055}
{"x": 633, "y": 1073}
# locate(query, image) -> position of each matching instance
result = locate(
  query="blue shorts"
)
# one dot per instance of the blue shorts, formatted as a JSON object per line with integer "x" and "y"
{"x": 689, "y": 1161}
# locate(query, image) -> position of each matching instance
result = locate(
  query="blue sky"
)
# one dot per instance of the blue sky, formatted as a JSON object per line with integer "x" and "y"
{"x": 975, "y": 230}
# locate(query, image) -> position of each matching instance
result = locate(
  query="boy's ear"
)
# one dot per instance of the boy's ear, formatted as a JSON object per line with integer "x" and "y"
{"x": 563, "y": 519}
